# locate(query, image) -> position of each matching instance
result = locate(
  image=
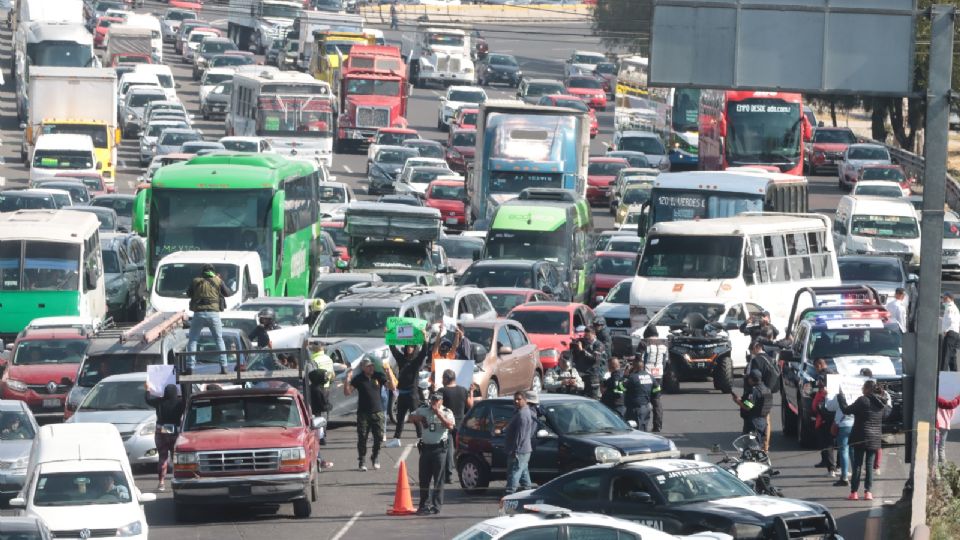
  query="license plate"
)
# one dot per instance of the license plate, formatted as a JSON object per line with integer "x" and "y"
{"x": 452, "y": 221}
{"x": 49, "y": 403}
{"x": 700, "y": 365}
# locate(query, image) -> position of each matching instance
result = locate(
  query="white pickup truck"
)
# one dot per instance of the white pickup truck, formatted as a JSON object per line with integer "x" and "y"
{"x": 240, "y": 270}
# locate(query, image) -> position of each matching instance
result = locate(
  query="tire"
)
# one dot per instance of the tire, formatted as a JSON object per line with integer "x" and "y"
{"x": 302, "y": 507}
{"x": 671, "y": 379}
{"x": 474, "y": 475}
{"x": 537, "y": 384}
{"x": 493, "y": 389}
{"x": 315, "y": 485}
{"x": 723, "y": 375}
{"x": 805, "y": 433}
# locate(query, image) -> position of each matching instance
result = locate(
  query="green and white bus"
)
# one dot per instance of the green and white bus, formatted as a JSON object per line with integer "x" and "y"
{"x": 50, "y": 265}
{"x": 545, "y": 224}
{"x": 236, "y": 202}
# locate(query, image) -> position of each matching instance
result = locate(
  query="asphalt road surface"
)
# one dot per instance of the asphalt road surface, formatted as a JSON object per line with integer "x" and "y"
{"x": 353, "y": 504}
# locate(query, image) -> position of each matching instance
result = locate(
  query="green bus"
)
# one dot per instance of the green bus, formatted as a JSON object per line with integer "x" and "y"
{"x": 549, "y": 224}
{"x": 236, "y": 202}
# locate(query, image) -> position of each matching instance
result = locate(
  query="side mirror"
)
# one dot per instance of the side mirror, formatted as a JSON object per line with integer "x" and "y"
{"x": 99, "y": 165}
{"x": 633, "y": 423}
{"x": 639, "y": 497}
{"x": 913, "y": 278}
{"x": 545, "y": 434}
{"x": 17, "y": 502}
{"x": 254, "y": 290}
{"x": 599, "y": 298}
{"x": 505, "y": 349}
{"x": 90, "y": 278}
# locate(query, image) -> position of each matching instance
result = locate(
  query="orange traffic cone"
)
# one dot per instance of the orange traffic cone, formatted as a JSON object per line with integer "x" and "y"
{"x": 402, "y": 501}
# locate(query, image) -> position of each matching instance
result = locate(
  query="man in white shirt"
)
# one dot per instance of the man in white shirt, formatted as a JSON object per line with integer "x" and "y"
{"x": 950, "y": 329}
{"x": 898, "y": 308}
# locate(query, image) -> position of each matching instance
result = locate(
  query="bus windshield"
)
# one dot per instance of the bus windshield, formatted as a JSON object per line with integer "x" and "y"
{"x": 763, "y": 131}
{"x": 686, "y": 109}
{"x": 551, "y": 246}
{"x": 515, "y": 182}
{"x": 885, "y": 226}
{"x": 45, "y": 266}
{"x": 216, "y": 219}
{"x": 692, "y": 257}
{"x": 295, "y": 122}
{"x": 681, "y": 205}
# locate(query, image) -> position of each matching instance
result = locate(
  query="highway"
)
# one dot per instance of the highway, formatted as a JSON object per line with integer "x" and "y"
{"x": 354, "y": 504}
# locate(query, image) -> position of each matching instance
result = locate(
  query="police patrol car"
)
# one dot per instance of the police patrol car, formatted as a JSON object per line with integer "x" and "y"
{"x": 547, "y": 521}
{"x": 679, "y": 496}
{"x": 852, "y": 331}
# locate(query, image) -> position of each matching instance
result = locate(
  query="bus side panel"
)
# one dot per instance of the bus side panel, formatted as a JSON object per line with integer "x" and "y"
{"x": 293, "y": 278}
{"x": 18, "y": 308}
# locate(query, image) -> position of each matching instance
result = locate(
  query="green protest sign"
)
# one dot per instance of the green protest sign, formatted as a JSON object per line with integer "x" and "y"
{"x": 405, "y": 331}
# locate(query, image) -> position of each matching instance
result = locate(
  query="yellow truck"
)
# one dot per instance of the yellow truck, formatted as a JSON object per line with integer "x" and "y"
{"x": 74, "y": 101}
{"x": 330, "y": 50}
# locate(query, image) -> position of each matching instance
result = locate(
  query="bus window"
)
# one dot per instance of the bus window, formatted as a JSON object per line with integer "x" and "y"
{"x": 10, "y": 265}
{"x": 51, "y": 266}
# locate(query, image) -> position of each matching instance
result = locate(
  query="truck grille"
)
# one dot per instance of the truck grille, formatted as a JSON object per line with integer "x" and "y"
{"x": 373, "y": 117}
{"x": 42, "y": 389}
{"x": 239, "y": 460}
{"x": 454, "y": 64}
{"x": 443, "y": 63}
{"x": 93, "y": 533}
{"x": 805, "y": 526}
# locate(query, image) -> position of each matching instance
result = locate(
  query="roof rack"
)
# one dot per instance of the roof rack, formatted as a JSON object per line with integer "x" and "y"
{"x": 863, "y": 295}
{"x": 268, "y": 358}
{"x": 623, "y": 460}
{"x": 412, "y": 289}
{"x": 149, "y": 330}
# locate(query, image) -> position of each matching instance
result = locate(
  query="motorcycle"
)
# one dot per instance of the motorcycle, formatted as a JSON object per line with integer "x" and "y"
{"x": 751, "y": 465}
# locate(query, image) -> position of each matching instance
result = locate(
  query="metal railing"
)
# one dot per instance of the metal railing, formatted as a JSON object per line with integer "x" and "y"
{"x": 914, "y": 166}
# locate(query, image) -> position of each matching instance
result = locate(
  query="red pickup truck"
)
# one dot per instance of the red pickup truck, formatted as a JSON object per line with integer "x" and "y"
{"x": 254, "y": 445}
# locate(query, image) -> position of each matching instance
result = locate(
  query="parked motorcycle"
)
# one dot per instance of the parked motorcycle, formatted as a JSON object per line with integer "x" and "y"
{"x": 751, "y": 465}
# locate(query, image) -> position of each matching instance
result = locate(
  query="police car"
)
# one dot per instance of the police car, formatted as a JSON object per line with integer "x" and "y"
{"x": 552, "y": 522}
{"x": 852, "y": 333}
{"x": 679, "y": 496}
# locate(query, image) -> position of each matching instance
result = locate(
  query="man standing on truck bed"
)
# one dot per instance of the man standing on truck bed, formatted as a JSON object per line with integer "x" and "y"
{"x": 370, "y": 416}
{"x": 208, "y": 295}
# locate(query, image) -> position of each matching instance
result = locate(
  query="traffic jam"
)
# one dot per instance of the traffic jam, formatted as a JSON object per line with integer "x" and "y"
{"x": 252, "y": 235}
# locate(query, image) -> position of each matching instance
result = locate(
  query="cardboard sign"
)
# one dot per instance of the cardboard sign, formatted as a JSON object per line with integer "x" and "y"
{"x": 405, "y": 331}
{"x": 463, "y": 369}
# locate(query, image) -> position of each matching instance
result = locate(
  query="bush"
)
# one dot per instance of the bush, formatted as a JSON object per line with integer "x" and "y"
{"x": 943, "y": 503}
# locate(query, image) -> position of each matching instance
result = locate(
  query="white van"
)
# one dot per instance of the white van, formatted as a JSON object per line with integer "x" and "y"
{"x": 240, "y": 270}
{"x": 57, "y": 153}
{"x": 134, "y": 79}
{"x": 164, "y": 76}
{"x": 79, "y": 478}
{"x": 865, "y": 225}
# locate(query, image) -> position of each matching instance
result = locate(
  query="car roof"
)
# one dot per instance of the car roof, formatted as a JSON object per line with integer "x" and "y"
{"x": 505, "y": 262}
{"x": 650, "y": 134}
{"x": 615, "y": 254}
{"x": 543, "y": 81}
{"x": 275, "y": 300}
{"x": 608, "y": 159}
{"x": 866, "y": 145}
{"x": 348, "y": 276}
{"x": 50, "y": 334}
{"x": 136, "y": 376}
{"x": 548, "y": 306}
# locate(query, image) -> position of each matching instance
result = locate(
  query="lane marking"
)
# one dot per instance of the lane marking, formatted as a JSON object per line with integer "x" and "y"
{"x": 348, "y": 169}
{"x": 343, "y": 530}
{"x": 403, "y": 456}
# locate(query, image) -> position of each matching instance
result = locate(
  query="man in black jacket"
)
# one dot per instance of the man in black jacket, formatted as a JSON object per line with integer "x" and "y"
{"x": 409, "y": 364}
{"x": 588, "y": 357}
{"x": 754, "y": 405}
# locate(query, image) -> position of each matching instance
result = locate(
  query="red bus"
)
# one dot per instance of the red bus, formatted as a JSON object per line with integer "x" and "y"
{"x": 744, "y": 128}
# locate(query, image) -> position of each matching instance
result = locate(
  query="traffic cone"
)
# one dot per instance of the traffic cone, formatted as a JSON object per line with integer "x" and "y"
{"x": 402, "y": 501}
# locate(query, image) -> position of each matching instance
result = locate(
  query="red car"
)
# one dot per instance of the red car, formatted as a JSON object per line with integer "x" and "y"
{"x": 466, "y": 118}
{"x": 601, "y": 172}
{"x": 506, "y": 298}
{"x": 447, "y": 197}
{"x": 589, "y": 89}
{"x": 888, "y": 173}
{"x": 552, "y": 325}
{"x": 101, "y": 28}
{"x": 461, "y": 147}
{"x": 42, "y": 367}
{"x": 572, "y": 102}
{"x": 826, "y": 147}
{"x": 186, "y": 4}
{"x": 340, "y": 237}
{"x": 93, "y": 181}
{"x": 606, "y": 270}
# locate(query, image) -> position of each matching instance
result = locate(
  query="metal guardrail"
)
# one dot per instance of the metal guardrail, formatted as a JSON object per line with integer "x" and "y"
{"x": 914, "y": 166}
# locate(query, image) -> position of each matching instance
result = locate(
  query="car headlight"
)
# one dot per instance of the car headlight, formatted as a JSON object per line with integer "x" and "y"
{"x": 16, "y": 464}
{"x": 468, "y": 70}
{"x": 184, "y": 458}
{"x": 519, "y": 74}
{"x": 130, "y": 529}
{"x": 604, "y": 454}
{"x": 292, "y": 456}
{"x": 148, "y": 429}
{"x": 16, "y": 386}
{"x": 747, "y": 531}
{"x": 672, "y": 445}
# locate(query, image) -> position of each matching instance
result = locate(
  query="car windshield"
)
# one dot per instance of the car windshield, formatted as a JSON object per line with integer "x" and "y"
{"x": 154, "y": 130}
{"x": 638, "y": 161}
{"x": 332, "y": 194}
{"x": 141, "y": 99}
{"x": 173, "y": 279}
{"x": 606, "y": 68}
{"x": 396, "y": 156}
{"x": 461, "y": 248}
{"x": 575, "y": 104}
{"x": 604, "y": 168}
{"x": 835, "y": 136}
{"x": 231, "y": 60}
{"x": 213, "y": 79}
{"x": 511, "y": 244}
{"x": 637, "y": 195}
{"x": 111, "y": 261}
{"x": 242, "y": 412}
{"x": 588, "y": 58}
{"x": 95, "y": 369}
{"x": 447, "y": 193}
{"x": 217, "y": 46}
{"x": 619, "y": 294}
{"x": 498, "y": 276}
{"x": 349, "y": 321}
{"x": 62, "y": 159}
{"x": 543, "y": 321}
{"x": 502, "y": 60}
{"x": 427, "y": 175}
{"x": 647, "y": 145}
{"x": 180, "y": 15}
{"x": 867, "y": 153}
{"x": 698, "y": 485}
{"x": 870, "y": 270}
{"x": 240, "y": 145}
{"x": 831, "y": 343}
{"x": 584, "y": 82}
{"x": 14, "y": 425}
{"x": 631, "y": 244}
{"x": 676, "y": 314}
{"x": 879, "y": 191}
{"x": 177, "y": 138}
{"x": 583, "y": 417}
{"x": 122, "y": 206}
{"x": 467, "y": 96}
{"x": 692, "y": 257}
{"x": 882, "y": 173}
{"x": 328, "y": 291}
{"x": 394, "y": 138}
{"x": 480, "y": 336}
{"x": 429, "y": 150}
{"x": 465, "y": 139}
{"x": 245, "y": 326}
{"x": 81, "y": 488}
{"x": 116, "y": 396}
{"x": 107, "y": 223}
{"x": 614, "y": 266}
{"x": 885, "y": 226}
{"x": 951, "y": 229}
{"x": 504, "y": 302}
{"x": 542, "y": 89}
{"x": 286, "y": 314}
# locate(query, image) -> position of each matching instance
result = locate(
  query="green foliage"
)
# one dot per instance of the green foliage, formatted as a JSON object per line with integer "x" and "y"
{"x": 624, "y": 24}
{"x": 943, "y": 504}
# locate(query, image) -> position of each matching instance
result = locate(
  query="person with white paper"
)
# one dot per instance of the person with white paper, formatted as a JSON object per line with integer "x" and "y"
{"x": 169, "y": 416}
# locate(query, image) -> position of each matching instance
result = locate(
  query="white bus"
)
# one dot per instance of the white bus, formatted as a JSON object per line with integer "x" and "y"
{"x": 292, "y": 110}
{"x": 763, "y": 257}
{"x": 50, "y": 265}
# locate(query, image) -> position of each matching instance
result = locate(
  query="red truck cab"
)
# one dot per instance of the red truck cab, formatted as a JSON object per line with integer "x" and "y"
{"x": 245, "y": 446}
{"x": 42, "y": 367}
{"x": 373, "y": 93}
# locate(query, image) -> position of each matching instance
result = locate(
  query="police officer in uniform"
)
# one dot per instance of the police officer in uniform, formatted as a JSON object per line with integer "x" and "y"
{"x": 639, "y": 389}
{"x": 603, "y": 333}
{"x": 589, "y": 357}
{"x": 613, "y": 388}
{"x": 754, "y": 405}
{"x": 436, "y": 422}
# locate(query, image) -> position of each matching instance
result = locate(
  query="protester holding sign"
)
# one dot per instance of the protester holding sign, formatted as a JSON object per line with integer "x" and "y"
{"x": 409, "y": 363}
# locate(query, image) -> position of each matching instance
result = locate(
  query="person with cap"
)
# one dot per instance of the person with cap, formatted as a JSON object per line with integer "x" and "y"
{"x": 639, "y": 389}
{"x": 759, "y": 327}
{"x": 370, "y": 417}
{"x": 459, "y": 400}
{"x": 823, "y": 422}
{"x": 770, "y": 375}
{"x": 208, "y": 295}
{"x": 588, "y": 357}
{"x": 436, "y": 423}
{"x": 613, "y": 388}
{"x": 317, "y": 305}
{"x": 603, "y": 333}
{"x": 266, "y": 322}
{"x": 754, "y": 405}
{"x": 950, "y": 332}
{"x": 519, "y": 435}
{"x": 409, "y": 363}
{"x": 654, "y": 351}
{"x": 897, "y": 307}
{"x": 324, "y": 364}
{"x": 563, "y": 379}
{"x": 444, "y": 349}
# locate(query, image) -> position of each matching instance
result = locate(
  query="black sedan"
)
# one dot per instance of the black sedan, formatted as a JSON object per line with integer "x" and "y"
{"x": 573, "y": 432}
{"x": 679, "y": 496}
{"x": 499, "y": 68}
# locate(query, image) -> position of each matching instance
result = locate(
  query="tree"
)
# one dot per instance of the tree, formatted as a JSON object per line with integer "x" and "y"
{"x": 624, "y": 24}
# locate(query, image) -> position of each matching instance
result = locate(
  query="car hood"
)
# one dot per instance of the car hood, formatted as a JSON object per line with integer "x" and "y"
{"x": 43, "y": 373}
{"x": 392, "y": 168}
{"x": 830, "y": 147}
{"x": 503, "y": 68}
{"x": 607, "y": 281}
{"x": 600, "y": 179}
{"x": 454, "y": 105}
{"x": 93, "y": 516}
{"x": 238, "y": 438}
{"x": 124, "y": 420}
{"x": 550, "y": 341}
{"x": 466, "y": 151}
{"x": 613, "y": 311}
{"x": 755, "y": 509}
{"x": 882, "y": 287}
{"x": 864, "y": 162}
{"x": 628, "y": 442}
{"x": 881, "y": 366}
{"x": 585, "y": 91}
{"x": 15, "y": 449}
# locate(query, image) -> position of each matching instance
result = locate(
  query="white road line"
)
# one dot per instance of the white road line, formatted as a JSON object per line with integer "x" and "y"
{"x": 343, "y": 530}
{"x": 403, "y": 456}
{"x": 348, "y": 169}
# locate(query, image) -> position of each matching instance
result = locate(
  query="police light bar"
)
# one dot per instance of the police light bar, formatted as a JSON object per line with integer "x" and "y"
{"x": 879, "y": 314}
{"x": 666, "y": 454}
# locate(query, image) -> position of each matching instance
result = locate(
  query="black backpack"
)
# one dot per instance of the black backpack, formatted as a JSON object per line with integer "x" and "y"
{"x": 771, "y": 374}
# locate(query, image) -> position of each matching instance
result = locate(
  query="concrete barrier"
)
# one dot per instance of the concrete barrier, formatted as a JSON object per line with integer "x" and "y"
{"x": 470, "y": 13}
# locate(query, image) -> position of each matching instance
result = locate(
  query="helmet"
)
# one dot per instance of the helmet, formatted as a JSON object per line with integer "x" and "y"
{"x": 266, "y": 313}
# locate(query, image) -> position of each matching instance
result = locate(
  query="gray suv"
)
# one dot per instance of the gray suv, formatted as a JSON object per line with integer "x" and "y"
{"x": 123, "y": 278}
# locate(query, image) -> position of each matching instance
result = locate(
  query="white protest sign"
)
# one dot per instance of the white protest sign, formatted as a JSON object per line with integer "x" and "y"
{"x": 852, "y": 386}
{"x": 158, "y": 377}
{"x": 463, "y": 369}
{"x": 405, "y": 331}
{"x": 949, "y": 389}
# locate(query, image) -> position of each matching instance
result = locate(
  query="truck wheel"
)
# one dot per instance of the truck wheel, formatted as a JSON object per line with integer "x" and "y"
{"x": 302, "y": 507}
{"x": 723, "y": 375}
{"x": 671, "y": 379}
{"x": 474, "y": 476}
{"x": 787, "y": 418}
{"x": 315, "y": 485}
